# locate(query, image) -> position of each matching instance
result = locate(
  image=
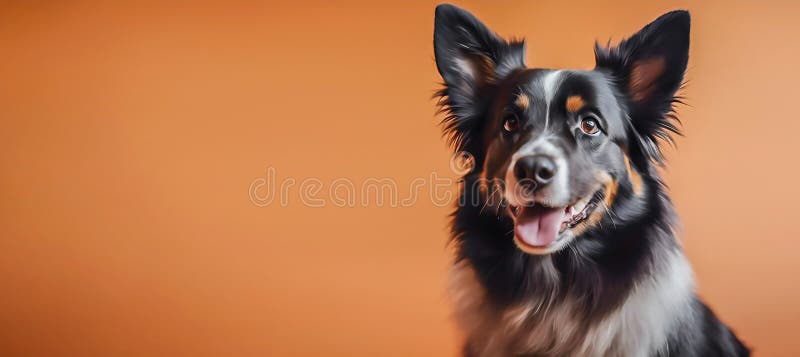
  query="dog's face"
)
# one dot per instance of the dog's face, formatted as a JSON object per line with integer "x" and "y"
{"x": 557, "y": 146}
{"x": 549, "y": 147}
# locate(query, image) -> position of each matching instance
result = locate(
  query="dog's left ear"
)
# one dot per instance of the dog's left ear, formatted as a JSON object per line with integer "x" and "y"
{"x": 470, "y": 57}
{"x": 648, "y": 69}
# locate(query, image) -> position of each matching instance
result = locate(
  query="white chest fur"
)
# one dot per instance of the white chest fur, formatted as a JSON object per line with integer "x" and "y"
{"x": 639, "y": 327}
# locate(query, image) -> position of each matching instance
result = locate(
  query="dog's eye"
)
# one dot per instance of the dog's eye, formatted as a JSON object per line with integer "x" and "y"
{"x": 510, "y": 123}
{"x": 590, "y": 126}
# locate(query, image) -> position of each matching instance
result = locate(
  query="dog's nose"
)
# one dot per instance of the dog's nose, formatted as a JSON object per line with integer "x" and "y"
{"x": 537, "y": 170}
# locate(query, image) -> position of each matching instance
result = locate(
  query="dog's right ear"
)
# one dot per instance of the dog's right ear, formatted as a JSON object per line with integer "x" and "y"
{"x": 469, "y": 57}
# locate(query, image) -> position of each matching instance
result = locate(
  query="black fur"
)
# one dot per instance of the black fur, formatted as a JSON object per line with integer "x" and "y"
{"x": 603, "y": 263}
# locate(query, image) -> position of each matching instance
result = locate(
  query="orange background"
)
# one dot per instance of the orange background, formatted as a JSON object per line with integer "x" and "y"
{"x": 131, "y": 133}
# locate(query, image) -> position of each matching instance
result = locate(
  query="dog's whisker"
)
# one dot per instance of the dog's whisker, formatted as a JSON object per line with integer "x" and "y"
{"x": 486, "y": 202}
{"x": 610, "y": 214}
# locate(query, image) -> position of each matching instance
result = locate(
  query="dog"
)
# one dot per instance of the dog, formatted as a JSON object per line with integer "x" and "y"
{"x": 570, "y": 249}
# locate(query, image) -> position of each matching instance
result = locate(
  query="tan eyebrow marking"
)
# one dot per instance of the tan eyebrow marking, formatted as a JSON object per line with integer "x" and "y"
{"x": 523, "y": 102}
{"x": 575, "y": 103}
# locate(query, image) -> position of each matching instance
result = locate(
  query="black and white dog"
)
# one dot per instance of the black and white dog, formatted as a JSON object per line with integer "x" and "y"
{"x": 571, "y": 250}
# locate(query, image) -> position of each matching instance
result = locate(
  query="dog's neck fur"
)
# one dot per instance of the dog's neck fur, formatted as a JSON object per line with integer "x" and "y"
{"x": 615, "y": 291}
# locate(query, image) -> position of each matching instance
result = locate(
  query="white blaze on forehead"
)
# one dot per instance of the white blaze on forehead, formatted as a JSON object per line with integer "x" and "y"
{"x": 550, "y": 84}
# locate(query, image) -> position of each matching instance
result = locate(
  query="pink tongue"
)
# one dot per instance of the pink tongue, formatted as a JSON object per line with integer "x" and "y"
{"x": 538, "y": 226}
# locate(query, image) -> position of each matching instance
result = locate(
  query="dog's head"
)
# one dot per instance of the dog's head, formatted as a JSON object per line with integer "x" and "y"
{"x": 559, "y": 146}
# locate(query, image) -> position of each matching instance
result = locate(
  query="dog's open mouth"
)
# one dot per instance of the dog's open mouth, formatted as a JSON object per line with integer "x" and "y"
{"x": 539, "y": 226}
